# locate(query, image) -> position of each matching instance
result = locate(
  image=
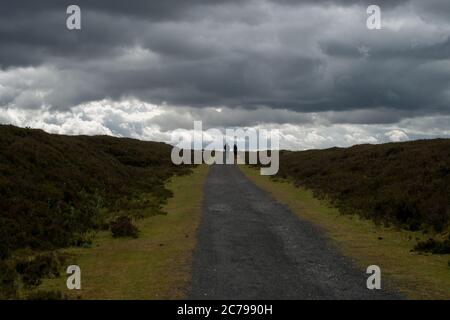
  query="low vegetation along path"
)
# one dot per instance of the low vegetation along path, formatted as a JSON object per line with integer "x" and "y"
{"x": 252, "y": 247}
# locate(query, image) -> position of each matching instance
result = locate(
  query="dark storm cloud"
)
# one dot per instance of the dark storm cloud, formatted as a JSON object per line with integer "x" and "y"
{"x": 306, "y": 56}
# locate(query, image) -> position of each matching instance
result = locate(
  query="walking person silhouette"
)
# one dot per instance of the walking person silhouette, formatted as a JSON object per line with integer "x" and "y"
{"x": 225, "y": 153}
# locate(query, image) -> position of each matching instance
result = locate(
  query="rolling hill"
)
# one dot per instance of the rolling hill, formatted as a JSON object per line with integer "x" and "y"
{"x": 405, "y": 184}
{"x": 55, "y": 189}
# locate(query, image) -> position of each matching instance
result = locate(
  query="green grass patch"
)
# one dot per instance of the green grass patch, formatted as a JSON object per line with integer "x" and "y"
{"x": 156, "y": 265}
{"x": 417, "y": 275}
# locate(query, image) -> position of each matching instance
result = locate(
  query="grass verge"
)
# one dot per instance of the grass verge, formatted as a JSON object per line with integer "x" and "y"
{"x": 157, "y": 265}
{"x": 418, "y": 276}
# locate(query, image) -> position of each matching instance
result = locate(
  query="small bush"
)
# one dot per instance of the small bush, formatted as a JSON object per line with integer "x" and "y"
{"x": 8, "y": 281}
{"x": 42, "y": 266}
{"x": 123, "y": 227}
{"x": 46, "y": 295}
{"x": 433, "y": 246}
{"x": 104, "y": 227}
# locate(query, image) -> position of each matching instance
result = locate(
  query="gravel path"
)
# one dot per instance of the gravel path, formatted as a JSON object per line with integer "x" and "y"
{"x": 252, "y": 247}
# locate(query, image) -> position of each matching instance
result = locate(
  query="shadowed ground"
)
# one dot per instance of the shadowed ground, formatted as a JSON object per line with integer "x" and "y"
{"x": 252, "y": 247}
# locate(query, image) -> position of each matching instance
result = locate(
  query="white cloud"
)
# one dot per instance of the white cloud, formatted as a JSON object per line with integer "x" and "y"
{"x": 397, "y": 135}
{"x": 141, "y": 120}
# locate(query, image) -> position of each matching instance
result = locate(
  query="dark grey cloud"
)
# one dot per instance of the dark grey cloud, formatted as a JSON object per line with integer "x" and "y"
{"x": 303, "y": 56}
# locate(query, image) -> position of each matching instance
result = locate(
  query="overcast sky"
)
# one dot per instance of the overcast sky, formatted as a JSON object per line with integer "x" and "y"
{"x": 148, "y": 69}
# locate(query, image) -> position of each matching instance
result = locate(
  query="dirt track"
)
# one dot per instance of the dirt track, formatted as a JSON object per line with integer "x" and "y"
{"x": 252, "y": 247}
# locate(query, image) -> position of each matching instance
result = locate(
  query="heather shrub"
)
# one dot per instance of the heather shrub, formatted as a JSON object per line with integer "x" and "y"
{"x": 56, "y": 189}
{"x": 123, "y": 227}
{"x": 434, "y": 246}
{"x": 406, "y": 184}
{"x": 32, "y": 270}
{"x": 8, "y": 281}
{"x": 46, "y": 295}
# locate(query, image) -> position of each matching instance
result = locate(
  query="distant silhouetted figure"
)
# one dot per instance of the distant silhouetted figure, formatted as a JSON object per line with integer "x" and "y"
{"x": 225, "y": 153}
{"x": 235, "y": 150}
